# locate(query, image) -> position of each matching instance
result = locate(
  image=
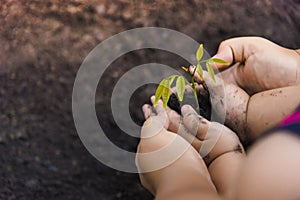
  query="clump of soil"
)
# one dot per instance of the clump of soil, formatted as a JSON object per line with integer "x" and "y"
{"x": 203, "y": 102}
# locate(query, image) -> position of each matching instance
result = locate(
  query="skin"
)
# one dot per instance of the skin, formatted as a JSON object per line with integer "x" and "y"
{"x": 259, "y": 69}
{"x": 271, "y": 168}
{"x": 258, "y": 64}
{"x": 224, "y": 156}
{"x": 230, "y": 98}
{"x": 188, "y": 177}
{"x": 228, "y": 174}
{"x": 249, "y": 116}
{"x": 268, "y": 108}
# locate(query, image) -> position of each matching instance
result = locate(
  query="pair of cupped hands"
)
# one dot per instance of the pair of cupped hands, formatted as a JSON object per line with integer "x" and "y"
{"x": 256, "y": 66}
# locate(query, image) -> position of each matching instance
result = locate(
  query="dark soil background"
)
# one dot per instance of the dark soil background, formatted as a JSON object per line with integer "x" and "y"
{"x": 42, "y": 46}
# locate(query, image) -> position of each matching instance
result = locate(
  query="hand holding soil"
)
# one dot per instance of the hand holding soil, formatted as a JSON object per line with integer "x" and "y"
{"x": 258, "y": 64}
{"x": 262, "y": 79}
{"x": 195, "y": 130}
{"x": 257, "y": 94}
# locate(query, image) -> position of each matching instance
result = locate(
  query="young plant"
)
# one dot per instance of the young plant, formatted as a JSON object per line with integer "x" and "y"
{"x": 163, "y": 90}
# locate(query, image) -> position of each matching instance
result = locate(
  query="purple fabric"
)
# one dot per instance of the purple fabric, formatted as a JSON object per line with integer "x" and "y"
{"x": 291, "y": 123}
{"x": 293, "y": 118}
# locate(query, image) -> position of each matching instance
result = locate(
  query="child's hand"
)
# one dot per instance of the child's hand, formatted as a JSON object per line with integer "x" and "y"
{"x": 162, "y": 156}
{"x": 210, "y": 139}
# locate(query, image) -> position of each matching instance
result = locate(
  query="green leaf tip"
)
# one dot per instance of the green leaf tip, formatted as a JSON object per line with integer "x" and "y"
{"x": 200, "y": 71}
{"x": 180, "y": 87}
{"x": 219, "y": 61}
{"x": 159, "y": 91}
{"x": 164, "y": 90}
{"x": 199, "y": 53}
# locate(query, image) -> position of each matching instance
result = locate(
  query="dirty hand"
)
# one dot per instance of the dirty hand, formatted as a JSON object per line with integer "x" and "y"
{"x": 163, "y": 156}
{"x": 258, "y": 64}
{"x": 210, "y": 139}
{"x": 229, "y": 103}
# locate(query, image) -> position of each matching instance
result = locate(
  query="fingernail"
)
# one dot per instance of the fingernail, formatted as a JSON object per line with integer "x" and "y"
{"x": 145, "y": 107}
{"x": 152, "y": 99}
{"x": 160, "y": 102}
{"x": 185, "y": 109}
{"x": 222, "y": 56}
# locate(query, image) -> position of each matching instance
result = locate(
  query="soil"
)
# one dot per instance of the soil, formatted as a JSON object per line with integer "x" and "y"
{"x": 204, "y": 104}
{"x": 43, "y": 44}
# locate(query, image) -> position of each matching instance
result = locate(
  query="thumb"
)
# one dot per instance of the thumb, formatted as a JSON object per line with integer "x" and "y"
{"x": 224, "y": 53}
{"x": 234, "y": 50}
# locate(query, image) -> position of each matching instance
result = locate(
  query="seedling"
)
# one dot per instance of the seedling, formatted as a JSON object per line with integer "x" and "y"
{"x": 163, "y": 90}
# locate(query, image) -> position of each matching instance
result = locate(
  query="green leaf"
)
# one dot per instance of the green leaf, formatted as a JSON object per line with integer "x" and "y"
{"x": 211, "y": 72}
{"x": 166, "y": 94}
{"x": 180, "y": 87}
{"x": 159, "y": 91}
{"x": 199, "y": 70}
{"x": 164, "y": 90}
{"x": 219, "y": 61}
{"x": 199, "y": 53}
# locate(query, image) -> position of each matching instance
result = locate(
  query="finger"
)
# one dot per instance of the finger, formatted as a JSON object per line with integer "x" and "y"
{"x": 175, "y": 120}
{"x": 224, "y": 53}
{"x": 195, "y": 124}
{"x": 147, "y": 110}
{"x": 189, "y": 137}
{"x": 216, "y": 91}
{"x": 161, "y": 112}
{"x": 207, "y": 79}
{"x": 217, "y": 87}
{"x": 176, "y": 126}
{"x": 159, "y": 106}
{"x": 230, "y": 75}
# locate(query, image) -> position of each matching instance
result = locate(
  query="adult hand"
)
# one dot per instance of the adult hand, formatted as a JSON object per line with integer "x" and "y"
{"x": 229, "y": 103}
{"x": 258, "y": 64}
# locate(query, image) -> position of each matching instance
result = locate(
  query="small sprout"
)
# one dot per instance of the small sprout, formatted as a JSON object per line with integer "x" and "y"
{"x": 163, "y": 90}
